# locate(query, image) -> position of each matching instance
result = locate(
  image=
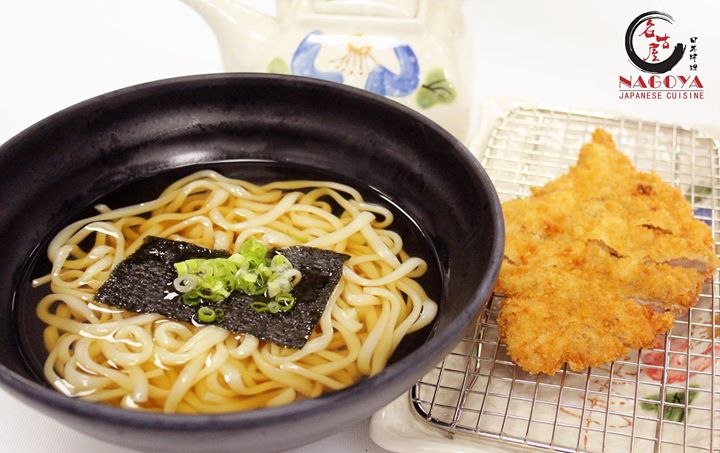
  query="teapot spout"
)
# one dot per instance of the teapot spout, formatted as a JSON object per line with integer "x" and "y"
{"x": 240, "y": 31}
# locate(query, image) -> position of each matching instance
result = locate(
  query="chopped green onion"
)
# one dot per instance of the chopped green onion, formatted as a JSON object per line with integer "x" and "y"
{"x": 250, "y": 277}
{"x": 285, "y": 299}
{"x": 279, "y": 263}
{"x": 253, "y": 250}
{"x": 259, "y": 306}
{"x": 283, "y": 302}
{"x": 206, "y": 315}
{"x": 237, "y": 259}
{"x": 219, "y": 314}
{"x": 250, "y": 270}
{"x": 190, "y": 299}
{"x": 188, "y": 267}
{"x": 186, "y": 283}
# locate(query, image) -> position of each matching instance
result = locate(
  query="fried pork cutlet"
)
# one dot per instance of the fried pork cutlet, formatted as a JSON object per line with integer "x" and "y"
{"x": 598, "y": 262}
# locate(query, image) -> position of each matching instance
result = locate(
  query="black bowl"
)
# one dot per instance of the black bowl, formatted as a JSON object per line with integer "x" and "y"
{"x": 61, "y": 164}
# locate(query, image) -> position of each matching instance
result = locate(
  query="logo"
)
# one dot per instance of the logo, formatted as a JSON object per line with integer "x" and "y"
{"x": 651, "y": 62}
{"x": 668, "y": 65}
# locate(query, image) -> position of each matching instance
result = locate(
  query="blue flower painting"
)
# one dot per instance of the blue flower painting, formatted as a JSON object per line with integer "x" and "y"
{"x": 380, "y": 79}
{"x": 303, "y": 61}
{"x": 385, "y": 82}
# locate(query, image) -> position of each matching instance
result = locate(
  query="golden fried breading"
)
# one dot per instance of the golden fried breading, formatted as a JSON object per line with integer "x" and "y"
{"x": 576, "y": 321}
{"x": 597, "y": 262}
{"x": 671, "y": 288}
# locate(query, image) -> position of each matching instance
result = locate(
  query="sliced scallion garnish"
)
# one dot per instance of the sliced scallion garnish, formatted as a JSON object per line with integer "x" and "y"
{"x": 206, "y": 315}
{"x": 249, "y": 270}
{"x": 186, "y": 283}
{"x": 190, "y": 299}
{"x": 219, "y": 314}
{"x": 282, "y": 302}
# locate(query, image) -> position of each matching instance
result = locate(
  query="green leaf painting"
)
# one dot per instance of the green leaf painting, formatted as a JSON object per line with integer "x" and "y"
{"x": 278, "y": 66}
{"x": 672, "y": 413}
{"x": 701, "y": 192}
{"x": 436, "y": 89}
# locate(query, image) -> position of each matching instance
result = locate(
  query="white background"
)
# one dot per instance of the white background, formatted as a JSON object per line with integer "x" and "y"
{"x": 564, "y": 53}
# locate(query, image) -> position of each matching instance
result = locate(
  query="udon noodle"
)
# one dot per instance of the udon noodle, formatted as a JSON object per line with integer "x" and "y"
{"x": 148, "y": 362}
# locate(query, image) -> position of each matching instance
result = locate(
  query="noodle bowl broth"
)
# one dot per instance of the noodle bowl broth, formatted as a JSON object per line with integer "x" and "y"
{"x": 224, "y": 371}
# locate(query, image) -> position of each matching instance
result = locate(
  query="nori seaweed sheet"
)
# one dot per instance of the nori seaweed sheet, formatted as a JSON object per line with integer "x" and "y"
{"x": 143, "y": 283}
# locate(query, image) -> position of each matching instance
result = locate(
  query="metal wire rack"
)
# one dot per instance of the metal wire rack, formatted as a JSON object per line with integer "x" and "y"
{"x": 478, "y": 391}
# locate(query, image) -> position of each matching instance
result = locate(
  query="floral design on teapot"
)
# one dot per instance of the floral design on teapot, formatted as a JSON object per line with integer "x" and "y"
{"x": 436, "y": 89}
{"x": 415, "y": 52}
{"x": 360, "y": 65}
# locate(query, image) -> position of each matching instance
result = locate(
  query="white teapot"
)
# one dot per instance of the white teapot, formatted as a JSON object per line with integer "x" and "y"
{"x": 415, "y": 52}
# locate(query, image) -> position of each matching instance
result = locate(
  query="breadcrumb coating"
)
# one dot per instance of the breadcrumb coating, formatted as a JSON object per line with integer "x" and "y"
{"x": 598, "y": 262}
